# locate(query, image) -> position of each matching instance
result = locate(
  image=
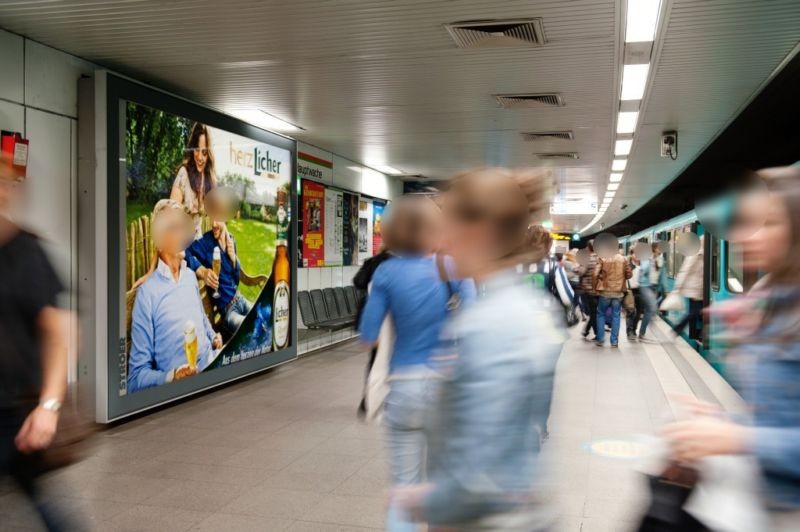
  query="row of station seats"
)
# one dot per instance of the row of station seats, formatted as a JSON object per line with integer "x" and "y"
{"x": 329, "y": 309}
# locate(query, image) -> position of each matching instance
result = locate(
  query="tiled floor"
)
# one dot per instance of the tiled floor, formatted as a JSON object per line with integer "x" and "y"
{"x": 284, "y": 451}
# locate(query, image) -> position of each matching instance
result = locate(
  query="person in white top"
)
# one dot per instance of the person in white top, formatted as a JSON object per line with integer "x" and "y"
{"x": 196, "y": 176}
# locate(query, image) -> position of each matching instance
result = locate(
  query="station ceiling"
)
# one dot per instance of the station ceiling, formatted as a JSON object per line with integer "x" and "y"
{"x": 383, "y": 82}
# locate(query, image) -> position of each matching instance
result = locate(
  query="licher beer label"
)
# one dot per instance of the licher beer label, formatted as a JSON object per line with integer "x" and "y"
{"x": 280, "y": 311}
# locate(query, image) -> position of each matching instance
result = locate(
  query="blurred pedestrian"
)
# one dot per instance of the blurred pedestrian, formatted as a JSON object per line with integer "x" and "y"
{"x": 610, "y": 278}
{"x": 573, "y": 271}
{"x": 589, "y": 292}
{"x": 767, "y": 355}
{"x": 34, "y": 340}
{"x": 633, "y": 315}
{"x": 412, "y": 289}
{"x": 658, "y": 272}
{"x": 647, "y": 296}
{"x": 495, "y": 400}
{"x": 689, "y": 284}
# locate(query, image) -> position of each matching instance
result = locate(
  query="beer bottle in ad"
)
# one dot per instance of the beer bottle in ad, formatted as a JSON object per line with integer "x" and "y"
{"x": 281, "y": 309}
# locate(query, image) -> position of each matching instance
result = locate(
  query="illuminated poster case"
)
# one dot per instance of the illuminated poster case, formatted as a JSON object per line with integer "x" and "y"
{"x": 180, "y": 297}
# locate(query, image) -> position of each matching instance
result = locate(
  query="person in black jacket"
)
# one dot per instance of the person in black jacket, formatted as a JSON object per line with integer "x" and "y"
{"x": 361, "y": 281}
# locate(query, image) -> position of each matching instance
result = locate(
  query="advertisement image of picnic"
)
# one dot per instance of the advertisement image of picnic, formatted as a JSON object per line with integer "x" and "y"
{"x": 207, "y": 270}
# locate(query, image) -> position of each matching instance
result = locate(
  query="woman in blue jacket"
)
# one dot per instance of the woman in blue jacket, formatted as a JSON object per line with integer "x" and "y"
{"x": 484, "y": 465}
{"x": 768, "y": 353}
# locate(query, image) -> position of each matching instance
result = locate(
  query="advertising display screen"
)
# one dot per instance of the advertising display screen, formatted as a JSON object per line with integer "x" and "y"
{"x": 205, "y": 292}
{"x": 201, "y": 252}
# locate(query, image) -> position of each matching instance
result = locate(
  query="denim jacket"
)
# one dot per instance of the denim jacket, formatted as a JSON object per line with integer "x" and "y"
{"x": 770, "y": 383}
{"x": 494, "y": 403}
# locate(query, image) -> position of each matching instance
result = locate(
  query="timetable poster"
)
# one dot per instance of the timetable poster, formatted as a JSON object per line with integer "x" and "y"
{"x": 334, "y": 229}
{"x": 313, "y": 222}
{"x": 364, "y": 230}
{"x": 350, "y": 242}
{"x": 377, "y": 221}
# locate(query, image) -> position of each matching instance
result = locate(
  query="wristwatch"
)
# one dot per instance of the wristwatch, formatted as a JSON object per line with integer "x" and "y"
{"x": 51, "y": 405}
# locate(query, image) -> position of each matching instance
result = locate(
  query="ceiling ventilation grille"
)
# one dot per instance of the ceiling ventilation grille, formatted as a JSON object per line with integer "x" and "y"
{"x": 527, "y": 101}
{"x": 497, "y": 33}
{"x": 558, "y": 155}
{"x": 547, "y": 135}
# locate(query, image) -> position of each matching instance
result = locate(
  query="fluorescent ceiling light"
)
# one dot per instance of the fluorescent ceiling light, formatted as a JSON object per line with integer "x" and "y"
{"x": 634, "y": 80}
{"x": 610, "y": 193}
{"x": 618, "y": 165}
{"x": 623, "y": 147}
{"x": 626, "y": 122}
{"x": 642, "y": 20}
{"x": 615, "y": 178}
{"x": 613, "y": 186}
{"x": 386, "y": 169}
{"x": 264, "y": 120}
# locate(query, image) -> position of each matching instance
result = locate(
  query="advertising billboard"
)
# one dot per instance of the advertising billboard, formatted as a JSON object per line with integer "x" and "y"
{"x": 202, "y": 293}
{"x": 187, "y": 254}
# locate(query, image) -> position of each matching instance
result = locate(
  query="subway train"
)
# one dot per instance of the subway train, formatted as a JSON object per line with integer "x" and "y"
{"x": 723, "y": 275}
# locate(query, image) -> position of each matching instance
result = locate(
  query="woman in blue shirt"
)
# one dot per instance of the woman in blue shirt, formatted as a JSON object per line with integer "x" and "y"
{"x": 408, "y": 288}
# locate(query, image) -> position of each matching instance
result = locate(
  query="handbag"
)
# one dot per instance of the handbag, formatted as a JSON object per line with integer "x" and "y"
{"x": 378, "y": 378}
{"x": 629, "y": 302}
{"x": 71, "y": 441}
{"x": 673, "y": 302}
{"x": 669, "y": 491}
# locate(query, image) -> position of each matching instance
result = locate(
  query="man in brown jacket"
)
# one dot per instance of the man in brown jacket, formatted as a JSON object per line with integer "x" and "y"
{"x": 610, "y": 281}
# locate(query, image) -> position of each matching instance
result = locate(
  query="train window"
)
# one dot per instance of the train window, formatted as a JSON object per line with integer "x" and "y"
{"x": 715, "y": 256}
{"x": 735, "y": 282}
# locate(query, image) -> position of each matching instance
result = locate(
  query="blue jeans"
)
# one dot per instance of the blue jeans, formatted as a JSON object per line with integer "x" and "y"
{"x": 405, "y": 418}
{"x": 235, "y": 313}
{"x": 602, "y": 306}
{"x": 648, "y": 298}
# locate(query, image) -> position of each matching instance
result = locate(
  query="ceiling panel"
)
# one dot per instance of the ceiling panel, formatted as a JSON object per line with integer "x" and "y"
{"x": 714, "y": 57}
{"x": 381, "y": 81}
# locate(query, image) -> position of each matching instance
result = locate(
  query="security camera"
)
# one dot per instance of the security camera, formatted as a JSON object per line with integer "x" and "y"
{"x": 669, "y": 144}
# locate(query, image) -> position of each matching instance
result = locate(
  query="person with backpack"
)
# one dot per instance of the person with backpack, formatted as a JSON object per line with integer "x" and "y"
{"x": 609, "y": 280}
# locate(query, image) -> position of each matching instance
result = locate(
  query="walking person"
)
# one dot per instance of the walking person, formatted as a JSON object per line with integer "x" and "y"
{"x": 484, "y": 467}
{"x": 589, "y": 293}
{"x": 408, "y": 287}
{"x": 689, "y": 284}
{"x": 765, "y": 356}
{"x": 632, "y": 316}
{"x": 609, "y": 277}
{"x": 34, "y": 340}
{"x": 647, "y": 296}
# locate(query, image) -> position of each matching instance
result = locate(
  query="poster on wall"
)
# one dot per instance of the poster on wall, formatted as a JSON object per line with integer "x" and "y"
{"x": 334, "y": 229}
{"x": 364, "y": 230}
{"x": 206, "y": 287}
{"x": 350, "y": 222}
{"x": 377, "y": 221}
{"x": 313, "y": 205}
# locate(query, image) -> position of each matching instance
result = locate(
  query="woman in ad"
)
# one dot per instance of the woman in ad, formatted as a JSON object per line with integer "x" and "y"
{"x": 196, "y": 176}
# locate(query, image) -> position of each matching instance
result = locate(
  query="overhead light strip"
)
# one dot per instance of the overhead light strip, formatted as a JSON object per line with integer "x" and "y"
{"x": 642, "y": 18}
